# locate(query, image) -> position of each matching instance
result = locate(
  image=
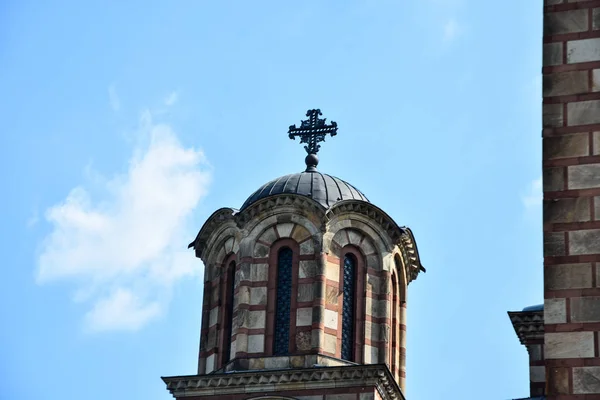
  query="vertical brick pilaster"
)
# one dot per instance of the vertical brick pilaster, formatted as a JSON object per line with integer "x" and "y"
{"x": 204, "y": 327}
{"x": 571, "y": 173}
{"x": 319, "y": 303}
{"x": 402, "y": 345}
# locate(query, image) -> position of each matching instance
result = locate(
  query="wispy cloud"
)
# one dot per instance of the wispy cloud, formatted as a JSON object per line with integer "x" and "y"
{"x": 451, "y": 30}
{"x": 534, "y": 196}
{"x": 124, "y": 251}
{"x": 122, "y": 310}
{"x": 113, "y": 97}
{"x": 171, "y": 99}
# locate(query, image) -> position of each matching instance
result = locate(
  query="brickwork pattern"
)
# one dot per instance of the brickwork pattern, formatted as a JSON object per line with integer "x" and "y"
{"x": 317, "y": 298}
{"x": 571, "y": 184}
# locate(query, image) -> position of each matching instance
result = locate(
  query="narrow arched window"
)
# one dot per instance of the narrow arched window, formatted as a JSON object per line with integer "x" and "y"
{"x": 228, "y": 310}
{"x": 284, "y": 302}
{"x": 348, "y": 307}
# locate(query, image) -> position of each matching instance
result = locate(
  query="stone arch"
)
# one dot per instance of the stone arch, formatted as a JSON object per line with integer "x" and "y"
{"x": 220, "y": 219}
{"x": 281, "y": 209}
{"x": 375, "y": 222}
{"x": 359, "y": 240}
{"x": 354, "y": 237}
{"x": 217, "y": 241}
{"x": 223, "y": 243}
{"x": 377, "y": 237}
{"x": 295, "y": 227}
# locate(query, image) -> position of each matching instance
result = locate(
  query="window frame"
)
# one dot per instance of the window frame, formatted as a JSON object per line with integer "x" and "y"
{"x": 360, "y": 276}
{"x": 229, "y": 266}
{"x": 272, "y": 295}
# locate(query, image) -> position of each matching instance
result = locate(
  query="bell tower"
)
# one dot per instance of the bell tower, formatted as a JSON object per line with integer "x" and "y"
{"x": 305, "y": 291}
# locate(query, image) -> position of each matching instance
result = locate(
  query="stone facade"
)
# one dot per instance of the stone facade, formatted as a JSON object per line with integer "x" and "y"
{"x": 571, "y": 184}
{"x": 240, "y": 249}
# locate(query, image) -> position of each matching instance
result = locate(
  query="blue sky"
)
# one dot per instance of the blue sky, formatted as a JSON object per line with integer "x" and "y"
{"x": 126, "y": 124}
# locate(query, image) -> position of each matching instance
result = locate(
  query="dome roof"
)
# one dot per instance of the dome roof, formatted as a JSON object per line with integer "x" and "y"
{"x": 322, "y": 188}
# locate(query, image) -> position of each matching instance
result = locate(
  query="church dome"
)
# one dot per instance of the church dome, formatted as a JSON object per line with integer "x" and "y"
{"x": 322, "y": 188}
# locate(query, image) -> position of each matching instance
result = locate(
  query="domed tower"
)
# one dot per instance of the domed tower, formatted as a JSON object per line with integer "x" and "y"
{"x": 304, "y": 291}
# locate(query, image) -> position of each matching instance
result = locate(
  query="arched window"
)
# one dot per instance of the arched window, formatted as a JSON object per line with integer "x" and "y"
{"x": 348, "y": 306}
{"x": 284, "y": 302}
{"x": 228, "y": 312}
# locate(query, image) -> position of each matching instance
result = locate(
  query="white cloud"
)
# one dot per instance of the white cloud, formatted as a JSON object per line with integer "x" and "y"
{"x": 121, "y": 310}
{"x": 451, "y": 30}
{"x": 535, "y": 195}
{"x": 171, "y": 98}
{"x": 113, "y": 97}
{"x": 125, "y": 251}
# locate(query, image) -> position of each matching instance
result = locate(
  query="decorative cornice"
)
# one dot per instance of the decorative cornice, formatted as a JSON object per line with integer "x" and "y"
{"x": 411, "y": 254}
{"x": 529, "y": 325}
{"x": 265, "y": 381}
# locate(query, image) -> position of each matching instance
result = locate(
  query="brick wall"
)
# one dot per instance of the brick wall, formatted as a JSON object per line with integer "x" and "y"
{"x": 571, "y": 176}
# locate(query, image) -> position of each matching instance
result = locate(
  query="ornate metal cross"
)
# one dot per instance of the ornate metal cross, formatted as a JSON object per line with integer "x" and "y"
{"x": 312, "y": 131}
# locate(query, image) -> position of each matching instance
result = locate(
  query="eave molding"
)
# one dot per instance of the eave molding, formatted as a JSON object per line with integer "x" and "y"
{"x": 402, "y": 236}
{"x": 376, "y": 375}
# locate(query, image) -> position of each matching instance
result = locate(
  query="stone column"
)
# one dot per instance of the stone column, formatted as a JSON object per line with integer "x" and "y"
{"x": 385, "y": 330}
{"x": 318, "y": 310}
{"x": 241, "y": 305}
{"x": 571, "y": 185}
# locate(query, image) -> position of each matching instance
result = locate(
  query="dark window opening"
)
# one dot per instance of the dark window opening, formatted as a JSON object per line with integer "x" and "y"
{"x": 284, "y": 302}
{"x": 348, "y": 306}
{"x": 227, "y": 331}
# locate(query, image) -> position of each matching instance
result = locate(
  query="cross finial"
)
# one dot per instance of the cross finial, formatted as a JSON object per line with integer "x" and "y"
{"x": 312, "y": 131}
